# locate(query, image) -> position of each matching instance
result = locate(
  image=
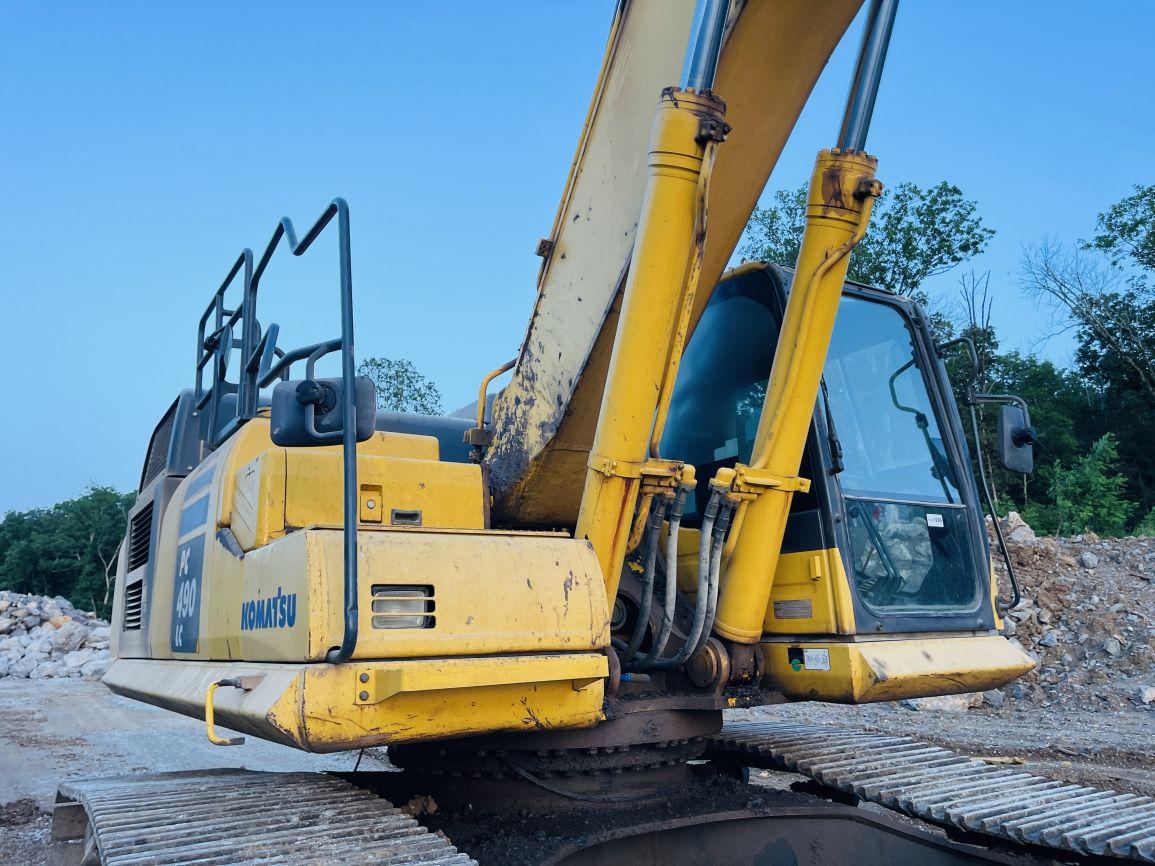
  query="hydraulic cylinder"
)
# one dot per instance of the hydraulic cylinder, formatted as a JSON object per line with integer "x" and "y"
{"x": 842, "y": 190}
{"x": 647, "y": 340}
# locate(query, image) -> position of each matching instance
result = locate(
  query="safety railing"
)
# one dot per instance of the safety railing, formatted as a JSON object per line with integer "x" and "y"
{"x": 263, "y": 362}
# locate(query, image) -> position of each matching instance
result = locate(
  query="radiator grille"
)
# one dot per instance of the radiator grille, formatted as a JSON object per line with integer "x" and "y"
{"x": 158, "y": 448}
{"x": 133, "y": 602}
{"x": 139, "y": 537}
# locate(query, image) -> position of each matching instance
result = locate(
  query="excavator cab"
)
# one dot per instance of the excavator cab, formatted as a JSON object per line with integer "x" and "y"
{"x": 888, "y": 541}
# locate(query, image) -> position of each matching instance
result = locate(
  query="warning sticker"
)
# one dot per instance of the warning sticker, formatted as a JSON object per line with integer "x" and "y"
{"x": 816, "y": 659}
{"x": 934, "y": 520}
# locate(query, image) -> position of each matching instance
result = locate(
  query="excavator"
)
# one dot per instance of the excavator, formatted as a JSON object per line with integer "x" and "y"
{"x": 700, "y": 489}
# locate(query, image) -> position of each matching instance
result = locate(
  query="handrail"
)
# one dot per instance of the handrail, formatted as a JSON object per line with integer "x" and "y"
{"x": 258, "y": 370}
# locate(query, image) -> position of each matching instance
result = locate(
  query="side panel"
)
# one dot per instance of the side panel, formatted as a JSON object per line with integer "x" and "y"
{"x": 487, "y": 593}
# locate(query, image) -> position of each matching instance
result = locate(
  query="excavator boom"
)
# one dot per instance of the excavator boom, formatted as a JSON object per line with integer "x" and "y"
{"x": 545, "y": 419}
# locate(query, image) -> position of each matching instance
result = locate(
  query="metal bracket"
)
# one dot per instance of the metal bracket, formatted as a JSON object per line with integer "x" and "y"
{"x": 749, "y": 483}
{"x": 663, "y": 473}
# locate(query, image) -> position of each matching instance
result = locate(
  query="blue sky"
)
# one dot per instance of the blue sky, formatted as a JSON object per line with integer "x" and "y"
{"x": 143, "y": 144}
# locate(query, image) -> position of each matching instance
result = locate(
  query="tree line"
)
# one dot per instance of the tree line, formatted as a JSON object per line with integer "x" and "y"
{"x": 1094, "y": 471}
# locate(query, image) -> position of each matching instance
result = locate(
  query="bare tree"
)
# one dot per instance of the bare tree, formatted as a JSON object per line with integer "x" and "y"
{"x": 977, "y": 306}
{"x": 1083, "y": 293}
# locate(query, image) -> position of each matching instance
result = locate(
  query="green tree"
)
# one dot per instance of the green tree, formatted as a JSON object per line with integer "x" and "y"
{"x": 1105, "y": 290}
{"x": 400, "y": 388}
{"x": 1126, "y": 231}
{"x": 915, "y": 233}
{"x": 68, "y": 549}
{"x": 1087, "y": 495}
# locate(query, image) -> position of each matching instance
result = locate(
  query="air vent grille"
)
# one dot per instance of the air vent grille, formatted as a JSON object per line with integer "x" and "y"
{"x": 403, "y": 606}
{"x": 158, "y": 448}
{"x": 140, "y": 537}
{"x": 133, "y": 603}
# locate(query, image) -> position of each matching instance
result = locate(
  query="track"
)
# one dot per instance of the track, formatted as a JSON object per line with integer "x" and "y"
{"x": 939, "y": 786}
{"x": 240, "y": 816}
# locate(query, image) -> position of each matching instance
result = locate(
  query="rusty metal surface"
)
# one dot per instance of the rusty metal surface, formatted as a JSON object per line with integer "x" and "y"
{"x": 939, "y": 786}
{"x": 239, "y": 816}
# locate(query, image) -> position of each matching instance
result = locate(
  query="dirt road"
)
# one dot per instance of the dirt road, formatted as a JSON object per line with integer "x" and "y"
{"x": 56, "y": 729}
{"x": 52, "y": 730}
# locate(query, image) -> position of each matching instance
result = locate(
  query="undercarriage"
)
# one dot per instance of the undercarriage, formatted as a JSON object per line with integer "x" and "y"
{"x": 821, "y": 796}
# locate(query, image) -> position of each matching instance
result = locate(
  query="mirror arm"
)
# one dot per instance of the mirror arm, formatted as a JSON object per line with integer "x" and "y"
{"x": 1016, "y": 595}
{"x": 974, "y": 399}
{"x": 940, "y": 350}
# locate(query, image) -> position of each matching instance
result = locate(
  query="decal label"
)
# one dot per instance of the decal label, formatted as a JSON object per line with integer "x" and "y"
{"x": 816, "y": 659}
{"x": 186, "y": 595}
{"x": 934, "y": 520}
{"x": 278, "y": 611}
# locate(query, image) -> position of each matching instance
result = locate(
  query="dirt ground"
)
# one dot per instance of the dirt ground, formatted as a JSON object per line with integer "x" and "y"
{"x": 56, "y": 729}
{"x": 51, "y": 730}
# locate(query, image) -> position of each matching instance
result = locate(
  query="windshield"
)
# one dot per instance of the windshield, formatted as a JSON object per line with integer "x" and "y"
{"x": 908, "y": 527}
{"x": 909, "y": 535}
{"x": 890, "y": 437}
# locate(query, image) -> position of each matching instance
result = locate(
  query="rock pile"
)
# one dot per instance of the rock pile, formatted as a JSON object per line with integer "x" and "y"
{"x": 1087, "y": 618}
{"x": 48, "y": 637}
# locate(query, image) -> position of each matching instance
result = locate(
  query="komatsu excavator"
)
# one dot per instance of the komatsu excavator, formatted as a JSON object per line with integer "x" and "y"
{"x": 699, "y": 490}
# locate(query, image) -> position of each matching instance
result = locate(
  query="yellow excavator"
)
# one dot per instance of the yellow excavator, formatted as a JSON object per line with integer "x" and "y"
{"x": 700, "y": 489}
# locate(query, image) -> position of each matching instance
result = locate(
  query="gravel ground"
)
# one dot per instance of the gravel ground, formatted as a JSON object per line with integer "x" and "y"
{"x": 51, "y": 730}
{"x": 56, "y": 729}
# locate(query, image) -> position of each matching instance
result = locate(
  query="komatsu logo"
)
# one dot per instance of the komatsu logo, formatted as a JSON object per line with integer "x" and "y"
{"x": 280, "y": 611}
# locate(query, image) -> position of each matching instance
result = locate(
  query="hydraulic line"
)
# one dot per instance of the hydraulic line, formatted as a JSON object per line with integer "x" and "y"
{"x": 709, "y": 563}
{"x": 717, "y": 547}
{"x": 705, "y": 582}
{"x": 653, "y": 537}
{"x": 670, "y": 597}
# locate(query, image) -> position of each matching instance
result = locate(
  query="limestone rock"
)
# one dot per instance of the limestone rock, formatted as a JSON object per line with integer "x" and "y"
{"x": 1018, "y": 530}
{"x": 994, "y": 698}
{"x": 77, "y": 659}
{"x": 941, "y": 703}
{"x": 69, "y": 637}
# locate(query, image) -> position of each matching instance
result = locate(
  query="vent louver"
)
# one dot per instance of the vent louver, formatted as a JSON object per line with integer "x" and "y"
{"x": 140, "y": 538}
{"x": 133, "y": 603}
{"x": 158, "y": 448}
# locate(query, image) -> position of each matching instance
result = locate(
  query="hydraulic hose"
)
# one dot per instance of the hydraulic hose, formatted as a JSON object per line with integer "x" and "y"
{"x": 671, "y": 594}
{"x": 702, "y": 599}
{"x": 717, "y": 546}
{"x": 653, "y": 536}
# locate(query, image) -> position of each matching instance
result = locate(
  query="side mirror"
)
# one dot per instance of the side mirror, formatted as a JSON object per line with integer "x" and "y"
{"x": 1016, "y": 440}
{"x": 297, "y": 402}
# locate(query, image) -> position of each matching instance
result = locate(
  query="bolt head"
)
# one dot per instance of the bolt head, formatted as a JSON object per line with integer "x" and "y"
{"x": 364, "y": 696}
{"x": 364, "y": 678}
